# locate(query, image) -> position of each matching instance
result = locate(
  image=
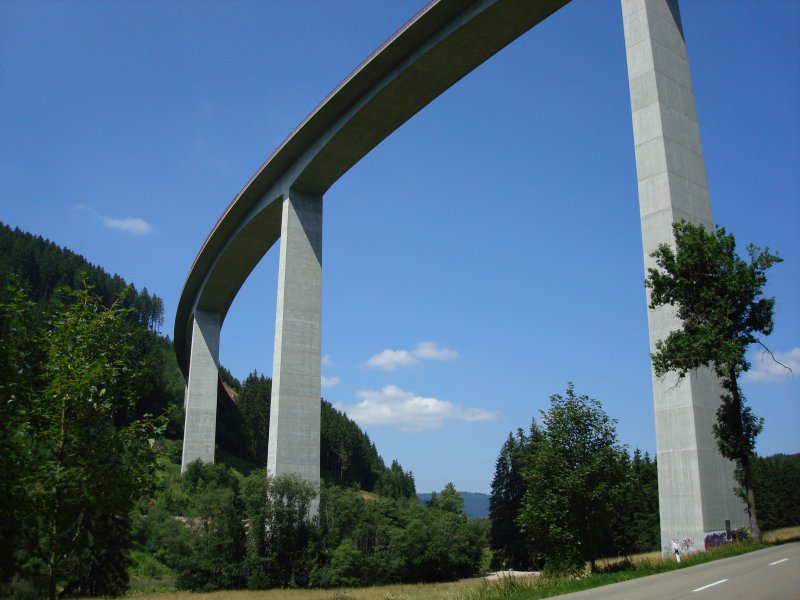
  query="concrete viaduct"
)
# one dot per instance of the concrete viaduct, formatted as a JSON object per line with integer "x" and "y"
{"x": 444, "y": 42}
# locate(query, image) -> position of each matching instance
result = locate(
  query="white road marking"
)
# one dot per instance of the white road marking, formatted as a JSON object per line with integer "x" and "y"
{"x": 777, "y": 562}
{"x": 700, "y": 589}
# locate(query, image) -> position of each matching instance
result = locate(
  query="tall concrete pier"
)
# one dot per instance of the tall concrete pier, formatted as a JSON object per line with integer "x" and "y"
{"x": 695, "y": 482}
{"x": 294, "y": 428}
{"x": 200, "y": 424}
{"x": 294, "y": 436}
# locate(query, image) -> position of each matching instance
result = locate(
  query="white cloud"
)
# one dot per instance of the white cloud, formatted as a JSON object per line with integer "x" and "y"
{"x": 432, "y": 351}
{"x": 128, "y": 224}
{"x": 408, "y": 412}
{"x": 329, "y": 382}
{"x": 766, "y": 370}
{"x": 389, "y": 360}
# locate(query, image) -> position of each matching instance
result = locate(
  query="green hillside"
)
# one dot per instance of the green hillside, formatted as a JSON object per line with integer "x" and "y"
{"x": 348, "y": 456}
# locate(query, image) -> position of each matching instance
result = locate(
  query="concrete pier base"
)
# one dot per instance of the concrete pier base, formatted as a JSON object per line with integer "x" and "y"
{"x": 695, "y": 482}
{"x": 201, "y": 390}
{"x": 294, "y": 431}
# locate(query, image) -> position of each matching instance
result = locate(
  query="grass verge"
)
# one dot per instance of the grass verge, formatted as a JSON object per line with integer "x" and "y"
{"x": 454, "y": 590}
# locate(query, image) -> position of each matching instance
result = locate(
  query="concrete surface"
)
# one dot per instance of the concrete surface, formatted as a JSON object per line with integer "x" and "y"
{"x": 200, "y": 402}
{"x": 294, "y": 429}
{"x": 695, "y": 483}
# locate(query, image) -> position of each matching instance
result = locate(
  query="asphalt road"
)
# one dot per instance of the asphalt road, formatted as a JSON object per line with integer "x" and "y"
{"x": 770, "y": 574}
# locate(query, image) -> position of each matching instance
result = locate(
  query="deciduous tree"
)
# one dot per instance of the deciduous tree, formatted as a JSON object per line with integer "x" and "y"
{"x": 575, "y": 482}
{"x": 214, "y": 552}
{"x": 282, "y": 534}
{"x": 719, "y": 299}
{"x": 86, "y": 457}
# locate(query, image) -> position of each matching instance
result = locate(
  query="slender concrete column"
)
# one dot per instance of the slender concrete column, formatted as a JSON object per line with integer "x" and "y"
{"x": 294, "y": 427}
{"x": 201, "y": 390}
{"x": 695, "y": 482}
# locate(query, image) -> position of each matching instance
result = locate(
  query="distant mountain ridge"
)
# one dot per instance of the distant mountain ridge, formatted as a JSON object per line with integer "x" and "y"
{"x": 476, "y": 504}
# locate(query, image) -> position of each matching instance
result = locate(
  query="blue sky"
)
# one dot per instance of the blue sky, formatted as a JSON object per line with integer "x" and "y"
{"x": 475, "y": 262}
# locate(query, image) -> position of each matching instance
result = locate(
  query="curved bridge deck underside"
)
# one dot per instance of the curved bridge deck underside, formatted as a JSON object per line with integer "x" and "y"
{"x": 436, "y": 48}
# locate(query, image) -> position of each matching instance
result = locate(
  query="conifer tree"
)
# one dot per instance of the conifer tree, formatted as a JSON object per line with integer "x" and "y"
{"x": 575, "y": 483}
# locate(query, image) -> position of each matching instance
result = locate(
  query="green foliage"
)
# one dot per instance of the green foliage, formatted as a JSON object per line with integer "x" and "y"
{"x": 18, "y": 354}
{"x": 282, "y": 534}
{"x": 510, "y": 548}
{"x": 146, "y": 566}
{"x": 254, "y": 404}
{"x": 634, "y": 529}
{"x": 396, "y": 483}
{"x": 230, "y": 436}
{"x": 84, "y": 453}
{"x": 776, "y": 480}
{"x": 637, "y": 528}
{"x": 346, "y": 568}
{"x": 166, "y": 388}
{"x": 42, "y": 267}
{"x": 718, "y": 298}
{"x": 444, "y": 543}
{"x": 449, "y": 500}
{"x": 575, "y": 482}
{"x": 347, "y": 455}
{"x": 217, "y": 545}
{"x": 229, "y": 380}
{"x": 398, "y": 539}
{"x": 195, "y": 527}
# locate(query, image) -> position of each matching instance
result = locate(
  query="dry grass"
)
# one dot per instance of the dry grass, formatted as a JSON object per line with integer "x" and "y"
{"x": 787, "y": 534}
{"x": 637, "y": 560}
{"x": 431, "y": 591}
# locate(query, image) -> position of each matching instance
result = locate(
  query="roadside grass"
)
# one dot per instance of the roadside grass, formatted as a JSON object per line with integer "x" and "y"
{"x": 610, "y": 570}
{"x": 619, "y": 569}
{"x": 454, "y": 590}
{"x": 781, "y": 536}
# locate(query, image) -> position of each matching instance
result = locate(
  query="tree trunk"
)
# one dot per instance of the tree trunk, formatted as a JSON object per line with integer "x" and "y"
{"x": 751, "y": 501}
{"x": 52, "y": 575}
{"x": 743, "y": 459}
{"x": 747, "y": 476}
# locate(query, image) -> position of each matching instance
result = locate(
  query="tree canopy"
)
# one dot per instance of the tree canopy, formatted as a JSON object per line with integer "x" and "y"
{"x": 719, "y": 300}
{"x": 81, "y": 453}
{"x": 42, "y": 267}
{"x": 510, "y": 547}
{"x": 575, "y": 483}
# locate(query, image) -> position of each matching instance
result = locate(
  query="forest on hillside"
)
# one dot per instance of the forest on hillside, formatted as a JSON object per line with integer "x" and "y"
{"x": 91, "y": 410}
{"x": 40, "y": 268}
